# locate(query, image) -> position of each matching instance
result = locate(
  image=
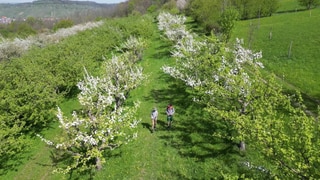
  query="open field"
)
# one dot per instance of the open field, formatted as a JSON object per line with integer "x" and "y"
{"x": 289, "y": 43}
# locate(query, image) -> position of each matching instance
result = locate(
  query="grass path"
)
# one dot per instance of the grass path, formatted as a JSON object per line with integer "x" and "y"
{"x": 188, "y": 151}
{"x": 148, "y": 157}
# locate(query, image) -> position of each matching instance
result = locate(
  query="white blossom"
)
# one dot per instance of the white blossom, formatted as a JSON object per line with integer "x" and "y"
{"x": 105, "y": 122}
{"x": 48, "y": 142}
{"x": 228, "y": 74}
{"x": 19, "y": 46}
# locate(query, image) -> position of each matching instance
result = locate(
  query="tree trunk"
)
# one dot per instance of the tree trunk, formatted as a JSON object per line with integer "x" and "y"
{"x": 98, "y": 164}
{"x": 289, "y": 52}
{"x": 242, "y": 146}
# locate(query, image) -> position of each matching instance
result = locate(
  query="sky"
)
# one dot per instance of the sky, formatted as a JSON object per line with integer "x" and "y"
{"x": 97, "y": 1}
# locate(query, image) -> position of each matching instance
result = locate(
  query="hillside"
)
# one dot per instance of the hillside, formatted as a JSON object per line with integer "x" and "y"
{"x": 289, "y": 43}
{"x": 51, "y": 8}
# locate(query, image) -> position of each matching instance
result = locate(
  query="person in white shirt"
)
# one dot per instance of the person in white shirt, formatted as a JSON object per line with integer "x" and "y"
{"x": 154, "y": 118}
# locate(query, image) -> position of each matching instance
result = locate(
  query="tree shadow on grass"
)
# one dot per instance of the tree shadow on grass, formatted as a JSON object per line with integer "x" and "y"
{"x": 195, "y": 27}
{"x": 193, "y": 128}
{"x": 61, "y": 159}
{"x": 162, "y": 50}
{"x": 194, "y": 138}
{"x": 175, "y": 94}
{"x": 10, "y": 163}
{"x": 161, "y": 54}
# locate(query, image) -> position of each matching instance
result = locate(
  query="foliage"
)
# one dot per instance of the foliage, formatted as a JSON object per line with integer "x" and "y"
{"x": 134, "y": 48}
{"x": 209, "y": 13}
{"x": 252, "y": 106}
{"x": 171, "y": 7}
{"x": 27, "y": 91}
{"x": 253, "y": 9}
{"x": 206, "y": 12}
{"x": 298, "y": 72}
{"x": 152, "y": 9}
{"x": 18, "y": 46}
{"x": 21, "y": 29}
{"x": 27, "y": 95}
{"x": 139, "y": 5}
{"x": 64, "y": 23}
{"x": 148, "y": 6}
{"x": 105, "y": 121}
{"x": 188, "y": 151}
{"x": 12, "y": 143}
{"x": 227, "y": 22}
{"x": 138, "y": 26}
{"x": 24, "y": 30}
{"x": 33, "y": 84}
{"x": 309, "y": 3}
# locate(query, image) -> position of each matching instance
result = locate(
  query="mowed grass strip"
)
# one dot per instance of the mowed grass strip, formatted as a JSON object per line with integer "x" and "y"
{"x": 290, "y": 46}
{"x": 187, "y": 151}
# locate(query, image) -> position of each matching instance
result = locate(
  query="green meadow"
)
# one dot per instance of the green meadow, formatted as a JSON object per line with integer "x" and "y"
{"x": 289, "y": 42}
{"x": 290, "y": 46}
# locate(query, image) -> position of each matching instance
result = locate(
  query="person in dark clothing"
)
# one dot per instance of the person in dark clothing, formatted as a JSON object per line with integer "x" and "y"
{"x": 170, "y": 111}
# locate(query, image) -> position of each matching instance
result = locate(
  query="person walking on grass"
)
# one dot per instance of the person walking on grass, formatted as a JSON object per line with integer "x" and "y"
{"x": 170, "y": 112}
{"x": 154, "y": 118}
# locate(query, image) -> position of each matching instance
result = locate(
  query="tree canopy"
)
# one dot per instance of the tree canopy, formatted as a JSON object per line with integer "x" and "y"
{"x": 208, "y": 12}
{"x": 309, "y": 3}
{"x": 253, "y": 107}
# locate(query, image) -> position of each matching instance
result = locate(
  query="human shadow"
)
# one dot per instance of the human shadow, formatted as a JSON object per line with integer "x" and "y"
{"x": 161, "y": 125}
{"x": 147, "y": 126}
{"x": 176, "y": 94}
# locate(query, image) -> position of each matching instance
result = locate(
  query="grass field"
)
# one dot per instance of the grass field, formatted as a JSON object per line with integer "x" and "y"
{"x": 290, "y": 46}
